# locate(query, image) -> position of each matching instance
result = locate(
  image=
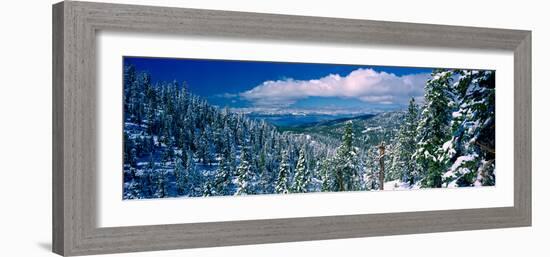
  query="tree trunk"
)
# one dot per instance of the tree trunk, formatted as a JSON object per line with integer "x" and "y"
{"x": 382, "y": 150}
{"x": 340, "y": 180}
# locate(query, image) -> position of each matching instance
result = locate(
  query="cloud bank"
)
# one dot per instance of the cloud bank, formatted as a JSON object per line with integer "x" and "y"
{"x": 366, "y": 85}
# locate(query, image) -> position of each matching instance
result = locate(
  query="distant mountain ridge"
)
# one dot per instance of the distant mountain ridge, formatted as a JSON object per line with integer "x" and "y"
{"x": 362, "y": 126}
{"x": 337, "y": 121}
{"x": 285, "y": 121}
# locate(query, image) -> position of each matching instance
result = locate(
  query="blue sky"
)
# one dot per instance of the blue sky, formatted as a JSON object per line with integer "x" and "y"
{"x": 280, "y": 87}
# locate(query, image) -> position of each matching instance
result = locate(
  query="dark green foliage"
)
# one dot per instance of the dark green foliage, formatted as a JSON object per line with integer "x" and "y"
{"x": 281, "y": 185}
{"x": 302, "y": 177}
{"x": 433, "y": 128}
{"x": 345, "y": 170}
{"x": 404, "y": 166}
{"x": 471, "y": 148}
{"x": 177, "y": 144}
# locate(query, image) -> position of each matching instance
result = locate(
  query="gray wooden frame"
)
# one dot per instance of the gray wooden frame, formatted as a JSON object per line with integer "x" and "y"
{"x": 75, "y": 25}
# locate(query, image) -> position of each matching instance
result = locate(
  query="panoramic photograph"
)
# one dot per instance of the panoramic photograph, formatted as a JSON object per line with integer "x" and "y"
{"x": 206, "y": 128}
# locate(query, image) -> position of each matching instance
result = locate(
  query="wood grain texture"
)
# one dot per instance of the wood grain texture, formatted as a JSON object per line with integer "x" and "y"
{"x": 75, "y": 25}
{"x": 522, "y": 129}
{"x": 58, "y": 229}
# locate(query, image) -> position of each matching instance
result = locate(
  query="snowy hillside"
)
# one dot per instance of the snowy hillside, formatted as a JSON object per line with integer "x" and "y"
{"x": 176, "y": 144}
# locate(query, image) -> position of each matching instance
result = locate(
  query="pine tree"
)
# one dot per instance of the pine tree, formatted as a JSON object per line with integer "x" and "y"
{"x": 302, "y": 176}
{"x": 404, "y": 166}
{"x": 371, "y": 181}
{"x": 148, "y": 181}
{"x": 326, "y": 175}
{"x": 281, "y": 185}
{"x": 195, "y": 176}
{"x": 161, "y": 186}
{"x": 472, "y": 146}
{"x": 346, "y": 162}
{"x": 433, "y": 128}
{"x": 265, "y": 178}
{"x": 244, "y": 174}
{"x": 134, "y": 190}
{"x": 208, "y": 188}
{"x": 181, "y": 177}
{"x": 224, "y": 175}
{"x": 208, "y": 146}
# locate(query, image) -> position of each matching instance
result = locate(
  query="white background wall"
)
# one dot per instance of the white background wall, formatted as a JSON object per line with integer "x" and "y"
{"x": 25, "y": 128}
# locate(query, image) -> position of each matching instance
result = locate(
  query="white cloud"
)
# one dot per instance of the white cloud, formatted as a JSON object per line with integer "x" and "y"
{"x": 366, "y": 85}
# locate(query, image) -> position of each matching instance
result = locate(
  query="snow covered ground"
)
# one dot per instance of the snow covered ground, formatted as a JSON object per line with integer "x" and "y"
{"x": 398, "y": 185}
